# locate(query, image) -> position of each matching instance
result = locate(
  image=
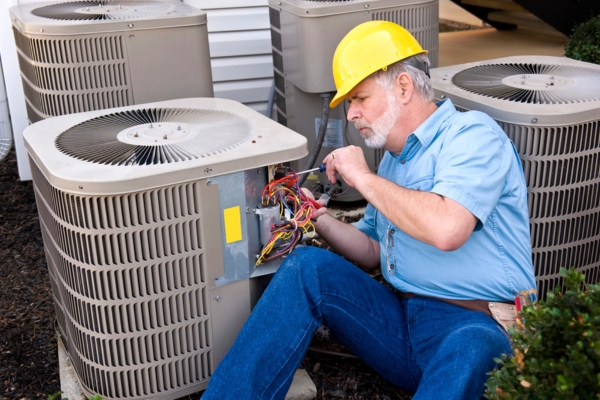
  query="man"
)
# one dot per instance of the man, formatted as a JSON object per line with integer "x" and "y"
{"x": 446, "y": 220}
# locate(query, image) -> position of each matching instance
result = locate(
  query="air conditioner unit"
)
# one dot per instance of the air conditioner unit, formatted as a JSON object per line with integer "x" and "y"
{"x": 89, "y": 55}
{"x": 550, "y": 108}
{"x": 305, "y": 34}
{"x": 151, "y": 231}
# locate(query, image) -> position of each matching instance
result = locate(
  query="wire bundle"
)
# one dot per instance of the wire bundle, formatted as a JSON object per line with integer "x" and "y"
{"x": 295, "y": 213}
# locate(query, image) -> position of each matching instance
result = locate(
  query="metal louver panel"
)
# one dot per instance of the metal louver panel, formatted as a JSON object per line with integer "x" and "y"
{"x": 154, "y": 136}
{"x": 562, "y": 171}
{"x": 532, "y": 83}
{"x": 66, "y": 76}
{"x": 130, "y": 281}
{"x": 103, "y": 10}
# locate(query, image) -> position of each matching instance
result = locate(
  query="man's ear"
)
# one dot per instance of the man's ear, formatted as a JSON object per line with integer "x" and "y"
{"x": 404, "y": 85}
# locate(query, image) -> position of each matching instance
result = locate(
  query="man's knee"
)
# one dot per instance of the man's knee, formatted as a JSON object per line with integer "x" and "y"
{"x": 480, "y": 343}
{"x": 300, "y": 268}
{"x": 300, "y": 260}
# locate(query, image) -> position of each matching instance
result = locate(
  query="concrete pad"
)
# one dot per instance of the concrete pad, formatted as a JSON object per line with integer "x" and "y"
{"x": 488, "y": 43}
{"x": 303, "y": 388}
{"x": 452, "y": 12}
{"x": 69, "y": 383}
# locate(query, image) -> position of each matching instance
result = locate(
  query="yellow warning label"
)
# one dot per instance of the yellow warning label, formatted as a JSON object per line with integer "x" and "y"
{"x": 233, "y": 224}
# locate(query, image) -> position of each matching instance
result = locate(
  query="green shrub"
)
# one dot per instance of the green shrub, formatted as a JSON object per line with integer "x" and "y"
{"x": 584, "y": 43}
{"x": 556, "y": 347}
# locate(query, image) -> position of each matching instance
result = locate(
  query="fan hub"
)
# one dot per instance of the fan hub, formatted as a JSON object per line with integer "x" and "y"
{"x": 100, "y": 9}
{"x": 538, "y": 81}
{"x": 157, "y": 134}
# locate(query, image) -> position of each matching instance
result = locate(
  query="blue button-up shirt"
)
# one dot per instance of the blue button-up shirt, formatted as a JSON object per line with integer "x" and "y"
{"x": 466, "y": 157}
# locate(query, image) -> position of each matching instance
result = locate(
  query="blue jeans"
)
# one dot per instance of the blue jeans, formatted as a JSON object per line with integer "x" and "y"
{"x": 425, "y": 346}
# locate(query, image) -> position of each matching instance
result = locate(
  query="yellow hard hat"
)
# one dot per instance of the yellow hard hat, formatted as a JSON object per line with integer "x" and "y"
{"x": 367, "y": 48}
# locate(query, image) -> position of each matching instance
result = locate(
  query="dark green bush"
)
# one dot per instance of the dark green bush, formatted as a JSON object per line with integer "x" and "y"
{"x": 557, "y": 347}
{"x": 584, "y": 43}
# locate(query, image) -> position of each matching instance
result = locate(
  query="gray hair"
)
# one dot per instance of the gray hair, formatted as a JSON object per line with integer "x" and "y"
{"x": 422, "y": 83}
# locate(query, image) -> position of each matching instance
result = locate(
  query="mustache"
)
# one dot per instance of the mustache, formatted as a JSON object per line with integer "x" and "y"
{"x": 360, "y": 125}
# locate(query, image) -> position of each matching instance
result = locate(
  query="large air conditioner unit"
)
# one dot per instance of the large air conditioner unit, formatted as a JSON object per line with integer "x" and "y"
{"x": 305, "y": 34}
{"x": 151, "y": 232}
{"x": 550, "y": 108}
{"x": 89, "y": 55}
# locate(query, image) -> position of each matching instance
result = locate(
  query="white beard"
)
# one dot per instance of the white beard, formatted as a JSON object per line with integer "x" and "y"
{"x": 380, "y": 128}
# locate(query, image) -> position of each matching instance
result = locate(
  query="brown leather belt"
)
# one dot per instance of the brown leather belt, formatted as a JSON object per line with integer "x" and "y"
{"x": 473, "y": 305}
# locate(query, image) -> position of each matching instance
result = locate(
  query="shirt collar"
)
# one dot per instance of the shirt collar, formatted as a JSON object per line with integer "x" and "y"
{"x": 427, "y": 131}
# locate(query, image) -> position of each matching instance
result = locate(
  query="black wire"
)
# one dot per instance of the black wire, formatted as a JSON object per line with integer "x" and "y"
{"x": 346, "y": 122}
{"x": 320, "y": 138}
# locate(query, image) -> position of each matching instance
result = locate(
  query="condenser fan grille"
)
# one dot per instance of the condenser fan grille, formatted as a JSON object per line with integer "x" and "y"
{"x": 532, "y": 83}
{"x": 154, "y": 136}
{"x": 103, "y": 10}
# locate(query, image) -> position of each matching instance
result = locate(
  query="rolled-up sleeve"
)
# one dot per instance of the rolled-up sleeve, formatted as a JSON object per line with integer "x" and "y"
{"x": 474, "y": 166}
{"x": 367, "y": 223}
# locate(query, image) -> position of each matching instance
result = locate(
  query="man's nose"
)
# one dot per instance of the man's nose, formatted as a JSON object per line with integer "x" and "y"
{"x": 352, "y": 112}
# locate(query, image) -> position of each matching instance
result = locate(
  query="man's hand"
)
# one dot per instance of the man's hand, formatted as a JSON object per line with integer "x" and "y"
{"x": 344, "y": 238}
{"x": 317, "y": 211}
{"x": 349, "y": 162}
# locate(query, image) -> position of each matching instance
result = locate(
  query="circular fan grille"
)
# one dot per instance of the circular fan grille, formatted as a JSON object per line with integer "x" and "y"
{"x": 165, "y": 136}
{"x": 532, "y": 83}
{"x": 103, "y": 10}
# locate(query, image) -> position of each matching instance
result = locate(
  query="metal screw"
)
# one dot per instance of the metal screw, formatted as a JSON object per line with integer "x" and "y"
{"x": 218, "y": 298}
{"x": 443, "y": 96}
{"x": 178, "y": 127}
{"x": 165, "y": 137}
{"x": 130, "y": 25}
{"x": 366, "y": 6}
{"x": 208, "y": 170}
{"x": 135, "y": 134}
{"x": 534, "y": 120}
